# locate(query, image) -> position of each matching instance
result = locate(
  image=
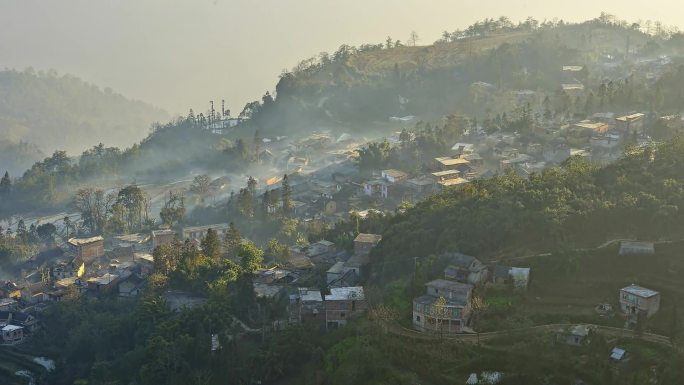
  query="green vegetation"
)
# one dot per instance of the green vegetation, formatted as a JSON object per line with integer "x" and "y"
{"x": 53, "y": 181}
{"x": 109, "y": 340}
{"x": 566, "y": 287}
{"x": 16, "y": 359}
{"x": 577, "y": 205}
{"x": 355, "y": 87}
{"x": 560, "y": 211}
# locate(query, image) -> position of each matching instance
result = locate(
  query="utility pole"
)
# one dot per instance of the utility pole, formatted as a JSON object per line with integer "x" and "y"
{"x": 211, "y": 112}
{"x": 627, "y": 47}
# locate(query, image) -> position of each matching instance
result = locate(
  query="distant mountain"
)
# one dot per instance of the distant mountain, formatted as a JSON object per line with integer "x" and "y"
{"x": 16, "y": 157}
{"x": 52, "y": 112}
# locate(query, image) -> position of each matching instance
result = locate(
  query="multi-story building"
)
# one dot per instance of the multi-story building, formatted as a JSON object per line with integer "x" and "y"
{"x": 342, "y": 304}
{"x": 444, "y": 308}
{"x": 87, "y": 249}
{"x": 363, "y": 243}
{"x": 630, "y": 123}
{"x": 638, "y": 301}
{"x": 197, "y": 233}
{"x": 162, "y": 237}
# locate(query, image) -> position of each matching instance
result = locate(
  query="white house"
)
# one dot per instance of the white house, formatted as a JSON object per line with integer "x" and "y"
{"x": 12, "y": 334}
{"x": 394, "y": 176}
{"x": 636, "y": 300}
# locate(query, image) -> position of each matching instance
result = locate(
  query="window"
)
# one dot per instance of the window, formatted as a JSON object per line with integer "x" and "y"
{"x": 417, "y": 318}
{"x": 342, "y": 314}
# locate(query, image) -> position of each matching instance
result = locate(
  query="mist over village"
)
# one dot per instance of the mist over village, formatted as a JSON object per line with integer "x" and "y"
{"x": 496, "y": 203}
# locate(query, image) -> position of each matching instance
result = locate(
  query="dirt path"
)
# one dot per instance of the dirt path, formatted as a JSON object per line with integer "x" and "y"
{"x": 397, "y": 329}
{"x": 601, "y": 246}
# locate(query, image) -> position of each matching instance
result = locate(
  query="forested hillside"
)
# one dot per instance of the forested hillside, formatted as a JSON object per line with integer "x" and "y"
{"x": 56, "y": 112}
{"x": 477, "y": 72}
{"x": 578, "y": 205}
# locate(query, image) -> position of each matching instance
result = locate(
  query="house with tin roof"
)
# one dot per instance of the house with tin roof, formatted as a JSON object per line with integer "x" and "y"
{"x": 637, "y": 301}
{"x": 342, "y": 304}
{"x": 465, "y": 269}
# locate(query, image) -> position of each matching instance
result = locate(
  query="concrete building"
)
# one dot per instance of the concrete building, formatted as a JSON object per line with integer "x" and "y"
{"x": 197, "y": 233}
{"x": 309, "y": 305}
{"x": 87, "y": 249}
{"x": 444, "y": 308}
{"x": 162, "y": 237}
{"x": 342, "y": 304}
{"x": 465, "y": 269}
{"x": 637, "y": 301}
{"x": 394, "y": 176}
{"x": 12, "y": 334}
{"x": 631, "y": 123}
{"x": 363, "y": 243}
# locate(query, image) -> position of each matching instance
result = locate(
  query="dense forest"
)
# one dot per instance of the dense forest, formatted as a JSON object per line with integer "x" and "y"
{"x": 62, "y": 112}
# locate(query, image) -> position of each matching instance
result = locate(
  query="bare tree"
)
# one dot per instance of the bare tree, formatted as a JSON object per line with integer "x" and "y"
{"x": 200, "y": 186}
{"x": 94, "y": 206}
{"x": 439, "y": 311}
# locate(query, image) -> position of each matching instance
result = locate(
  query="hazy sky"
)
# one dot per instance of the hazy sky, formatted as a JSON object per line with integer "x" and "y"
{"x": 182, "y": 53}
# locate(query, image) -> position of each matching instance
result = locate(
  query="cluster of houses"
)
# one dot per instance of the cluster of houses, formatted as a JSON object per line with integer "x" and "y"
{"x": 462, "y": 165}
{"x": 119, "y": 266}
{"x": 446, "y": 306}
{"x": 84, "y": 266}
{"x": 332, "y": 305}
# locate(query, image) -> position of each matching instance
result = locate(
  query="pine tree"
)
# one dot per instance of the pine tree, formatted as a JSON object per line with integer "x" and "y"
{"x": 211, "y": 245}
{"x": 67, "y": 226}
{"x": 246, "y": 203}
{"x": 241, "y": 149}
{"x": 232, "y": 240}
{"x": 5, "y": 185}
{"x": 286, "y": 196}
{"x": 22, "y": 233}
{"x": 251, "y": 186}
{"x": 257, "y": 145}
{"x": 265, "y": 202}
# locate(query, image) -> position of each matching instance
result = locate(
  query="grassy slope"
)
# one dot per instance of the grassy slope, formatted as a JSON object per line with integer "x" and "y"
{"x": 567, "y": 287}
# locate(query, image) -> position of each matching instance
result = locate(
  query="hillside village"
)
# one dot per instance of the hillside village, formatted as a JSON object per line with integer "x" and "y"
{"x": 296, "y": 242}
{"x": 321, "y": 197}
